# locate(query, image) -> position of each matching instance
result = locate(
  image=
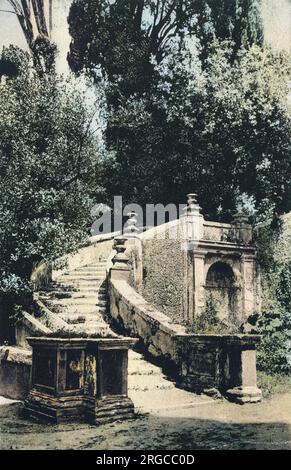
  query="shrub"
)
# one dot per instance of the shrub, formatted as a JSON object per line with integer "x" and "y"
{"x": 272, "y": 354}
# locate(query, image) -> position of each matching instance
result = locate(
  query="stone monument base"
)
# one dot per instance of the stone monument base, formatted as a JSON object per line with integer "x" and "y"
{"x": 79, "y": 379}
{"x": 243, "y": 395}
{"x": 45, "y": 408}
{"x": 109, "y": 409}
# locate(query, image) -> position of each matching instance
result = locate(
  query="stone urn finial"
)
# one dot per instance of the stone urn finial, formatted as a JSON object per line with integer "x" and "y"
{"x": 240, "y": 218}
{"x": 192, "y": 204}
{"x": 130, "y": 229}
{"x": 242, "y": 229}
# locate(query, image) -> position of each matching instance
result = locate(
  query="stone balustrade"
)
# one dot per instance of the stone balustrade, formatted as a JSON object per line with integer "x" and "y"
{"x": 196, "y": 362}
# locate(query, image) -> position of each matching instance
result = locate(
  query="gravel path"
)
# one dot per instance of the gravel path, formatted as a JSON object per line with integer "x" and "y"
{"x": 206, "y": 426}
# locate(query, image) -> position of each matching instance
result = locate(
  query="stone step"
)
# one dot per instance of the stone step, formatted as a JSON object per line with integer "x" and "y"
{"x": 58, "y": 286}
{"x": 74, "y": 311}
{"x": 91, "y": 328}
{"x": 143, "y": 376}
{"x": 91, "y": 268}
{"x": 77, "y": 277}
{"x": 81, "y": 300}
{"x": 77, "y": 308}
{"x": 87, "y": 272}
{"x": 75, "y": 283}
{"x": 82, "y": 286}
{"x": 101, "y": 265}
{"x": 73, "y": 301}
{"x": 73, "y": 319}
{"x": 143, "y": 383}
{"x": 60, "y": 294}
{"x": 135, "y": 368}
{"x": 96, "y": 328}
{"x": 82, "y": 311}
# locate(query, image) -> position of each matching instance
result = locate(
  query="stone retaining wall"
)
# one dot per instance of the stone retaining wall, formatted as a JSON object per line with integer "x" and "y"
{"x": 15, "y": 368}
{"x": 196, "y": 362}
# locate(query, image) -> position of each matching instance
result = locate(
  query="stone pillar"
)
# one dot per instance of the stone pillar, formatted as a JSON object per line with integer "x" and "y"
{"x": 199, "y": 281}
{"x": 194, "y": 220}
{"x": 188, "y": 296}
{"x": 121, "y": 268}
{"x": 249, "y": 285}
{"x": 241, "y": 352}
{"x": 193, "y": 259}
{"x": 242, "y": 230}
{"x": 133, "y": 246}
{"x": 130, "y": 228}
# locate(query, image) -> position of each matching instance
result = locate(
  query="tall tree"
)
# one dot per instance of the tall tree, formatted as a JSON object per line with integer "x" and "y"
{"x": 237, "y": 20}
{"x": 34, "y": 24}
{"x": 169, "y": 137}
{"x": 124, "y": 37}
{"x": 48, "y": 167}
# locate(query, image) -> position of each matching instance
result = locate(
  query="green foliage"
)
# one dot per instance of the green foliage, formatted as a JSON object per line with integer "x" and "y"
{"x": 225, "y": 127}
{"x": 48, "y": 167}
{"x": 163, "y": 276}
{"x": 124, "y": 37}
{"x": 44, "y": 55}
{"x": 266, "y": 238}
{"x": 275, "y": 327}
{"x": 204, "y": 107}
{"x": 283, "y": 290}
{"x": 274, "y": 324}
{"x": 271, "y": 384}
{"x": 209, "y": 323}
{"x": 237, "y": 20}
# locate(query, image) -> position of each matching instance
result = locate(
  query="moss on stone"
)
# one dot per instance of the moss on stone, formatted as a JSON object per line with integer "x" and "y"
{"x": 163, "y": 281}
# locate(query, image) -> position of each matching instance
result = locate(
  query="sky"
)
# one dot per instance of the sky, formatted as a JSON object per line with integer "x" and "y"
{"x": 11, "y": 33}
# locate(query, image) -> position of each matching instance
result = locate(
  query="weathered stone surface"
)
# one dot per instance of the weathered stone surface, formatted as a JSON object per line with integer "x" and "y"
{"x": 15, "y": 366}
{"x": 197, "y": 362}
{"x": 79, "y": 379}
{"x": 27, "y": 326}
{"x": 180, "y": 283}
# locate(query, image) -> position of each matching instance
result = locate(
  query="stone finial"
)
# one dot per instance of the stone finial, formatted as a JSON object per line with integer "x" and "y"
{"x": 192, "y": 221}
{"x": 192, "y": 204}
{"x": 242, "y": 230}
{"x": 130, "y": 229}
{"x": 240, "y": 218}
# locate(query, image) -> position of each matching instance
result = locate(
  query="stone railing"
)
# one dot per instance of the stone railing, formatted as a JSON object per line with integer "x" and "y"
{"x": 98, "y": 247}
{"x": 197, "y": 362}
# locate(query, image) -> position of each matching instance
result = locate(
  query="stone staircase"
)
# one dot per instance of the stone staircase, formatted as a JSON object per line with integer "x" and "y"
{"x": 152, "y": 392}
{"x": 80, "y": 298}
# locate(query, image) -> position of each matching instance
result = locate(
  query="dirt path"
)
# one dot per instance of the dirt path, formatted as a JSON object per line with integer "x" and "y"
{"x": 208, "y": 426}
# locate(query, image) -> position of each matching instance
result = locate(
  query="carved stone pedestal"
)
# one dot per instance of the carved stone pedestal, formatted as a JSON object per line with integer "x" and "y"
{"x": 242, "y": 361}
{"x": 79, "y": 379}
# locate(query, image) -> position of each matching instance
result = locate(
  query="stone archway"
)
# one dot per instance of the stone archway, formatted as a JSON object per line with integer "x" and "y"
{"x": 221, "y": 291}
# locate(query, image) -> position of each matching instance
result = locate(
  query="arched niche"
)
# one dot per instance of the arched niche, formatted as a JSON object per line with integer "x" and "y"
{"x": 221, "y": 290}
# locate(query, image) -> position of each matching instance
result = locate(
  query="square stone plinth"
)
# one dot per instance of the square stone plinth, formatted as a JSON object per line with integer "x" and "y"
{"x": 79, "y": 379}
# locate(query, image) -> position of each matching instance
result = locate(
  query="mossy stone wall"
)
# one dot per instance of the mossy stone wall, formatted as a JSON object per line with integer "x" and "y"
{"x": 163, "y": 276}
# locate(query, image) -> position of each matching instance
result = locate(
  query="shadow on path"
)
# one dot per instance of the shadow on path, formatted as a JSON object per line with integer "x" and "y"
{"x": 145, "y": 433}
